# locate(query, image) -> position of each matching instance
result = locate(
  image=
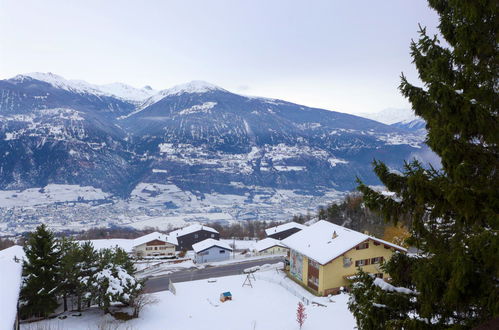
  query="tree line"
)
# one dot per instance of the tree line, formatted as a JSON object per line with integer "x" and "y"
{"x": 58, "y": 269}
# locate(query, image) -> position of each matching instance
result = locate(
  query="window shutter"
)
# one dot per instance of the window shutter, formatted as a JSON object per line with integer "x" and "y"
{"x": 367, "y": 262}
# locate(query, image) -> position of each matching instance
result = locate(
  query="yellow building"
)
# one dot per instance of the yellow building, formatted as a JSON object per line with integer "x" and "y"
{"x": 324, "y": 256}
{"x": 269, "y": 246}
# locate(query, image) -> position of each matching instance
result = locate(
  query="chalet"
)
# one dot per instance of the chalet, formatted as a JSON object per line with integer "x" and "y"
{"x": 324, "y": 256}
{"x": 269, "y": 245}
{"x": 211, "y": 250}
{"x": 285, "y": 230}
{"x": 153, "y": 244}
{"x": 187, "y": 236}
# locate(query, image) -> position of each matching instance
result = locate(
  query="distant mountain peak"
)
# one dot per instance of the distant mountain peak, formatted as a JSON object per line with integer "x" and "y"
{"x": 117, "y": 89}
{"x": 192, "y": 87}
{"x": 390, "y": 115}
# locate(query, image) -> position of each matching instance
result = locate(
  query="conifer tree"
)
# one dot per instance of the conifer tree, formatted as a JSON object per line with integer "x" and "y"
{"x": 87, "y": 267}
{"x": 454, "y": 211}
{"x": 40, "y": 274}
{"x": 113, "y": 280}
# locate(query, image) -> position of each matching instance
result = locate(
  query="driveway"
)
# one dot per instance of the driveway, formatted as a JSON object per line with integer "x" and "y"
{"x": 160, "y": 283}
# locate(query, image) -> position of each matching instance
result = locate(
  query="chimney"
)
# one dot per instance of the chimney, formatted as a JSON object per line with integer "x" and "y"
{"x": 334, "y": 234}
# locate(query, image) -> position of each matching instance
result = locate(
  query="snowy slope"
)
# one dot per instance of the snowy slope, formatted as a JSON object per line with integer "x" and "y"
{"x": 119, "y": 90}
{"x": 10, "y": 284}
{"x": 390, "y": 116}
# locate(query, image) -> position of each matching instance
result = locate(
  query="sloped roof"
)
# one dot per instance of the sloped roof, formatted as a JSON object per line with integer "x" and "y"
{"x": 266, "y": 243}
{"x": 283, "y": 227}
{"x": 172, "y": 236}
{"x": 151, "y": 237}
{"x": 191, "y": 229}
{"x": 317, "y": 242}
{"x": 208, "y": 243}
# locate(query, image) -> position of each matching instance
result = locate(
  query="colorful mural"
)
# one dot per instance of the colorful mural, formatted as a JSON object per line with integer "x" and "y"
{"x": 296, "y": 264}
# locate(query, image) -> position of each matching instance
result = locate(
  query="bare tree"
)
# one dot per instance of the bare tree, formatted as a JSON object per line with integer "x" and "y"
{"x": 140, "y": 301}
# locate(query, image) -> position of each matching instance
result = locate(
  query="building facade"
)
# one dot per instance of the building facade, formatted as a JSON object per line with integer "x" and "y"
{"x": 325, "y": 272}
{"x": 153, "y": 245}
{"x": 155, "y": 248}
{"x": 268, "y": 246}
{"x": 193, "y": 234}
{"x": 211, "y": 250}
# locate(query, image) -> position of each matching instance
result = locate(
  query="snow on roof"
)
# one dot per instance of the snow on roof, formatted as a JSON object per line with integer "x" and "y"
{"x": 191, "y": 229}
{"x": 10, "y": 285}
{"x": 324, "y": 241}
{"x": 266, "y": 243}
{"x": 208, "y": 243}
{"x": 283, "y": 227}
{"x": 151, "y": 237}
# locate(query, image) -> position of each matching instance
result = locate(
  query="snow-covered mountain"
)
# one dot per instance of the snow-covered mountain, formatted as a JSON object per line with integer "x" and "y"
{"x": 196, "y": 141}
{"x": 119, "y": 90}
{"x": 411, "y": 124}
{"x": 391, "y": 115}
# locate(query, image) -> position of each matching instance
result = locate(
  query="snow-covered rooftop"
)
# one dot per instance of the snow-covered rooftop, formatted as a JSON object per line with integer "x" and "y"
{"x": 10, "y": 285}
{"x": 266, "y": 243}
{"x": 208, "y": 243}
{"x": 151, "y": 237}
{"x": 191, "y": 229}
{"x": 324, "y": 241}
{"x": 283, "y": 227}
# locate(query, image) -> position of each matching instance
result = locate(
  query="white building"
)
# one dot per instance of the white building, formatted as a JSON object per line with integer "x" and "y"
{"x": 153, "y": 244}
{"x": 211, "y": 250}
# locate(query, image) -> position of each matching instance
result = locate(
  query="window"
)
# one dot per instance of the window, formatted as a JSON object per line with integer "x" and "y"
{"x": 378, "y": 275}
{"x": 222, "y": 251}
{"x": 376, "y": 243}
{"x": 361, "y": 262}
{"x": 347, "y": 262}
{"x": 362, "y": 246}
{"x": 313, "y": 264}
{"x": 212, "y": 235}
{"x": 376, "y": 260}
{"x": 195, "y": 235}
{"x": 314, "y": 280}
{"x": 148, "y": 248}
{"x": 155, "y": 248}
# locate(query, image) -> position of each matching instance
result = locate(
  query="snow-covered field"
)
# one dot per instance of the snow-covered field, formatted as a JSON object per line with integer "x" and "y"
{"x": 196, "y": 306}
{"x": 51, "y": 193}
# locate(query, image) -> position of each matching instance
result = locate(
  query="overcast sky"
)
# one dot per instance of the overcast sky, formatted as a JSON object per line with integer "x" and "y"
{"x": 339, "y": 55}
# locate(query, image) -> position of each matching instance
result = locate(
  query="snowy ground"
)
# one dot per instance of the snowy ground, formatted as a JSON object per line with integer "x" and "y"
{"x": 10, "y": 284}
{"x": 241, "y": 244}
{"x": 196, "y": 305}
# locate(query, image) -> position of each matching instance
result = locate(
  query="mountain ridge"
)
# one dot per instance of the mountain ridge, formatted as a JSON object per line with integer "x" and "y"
{"x": 195, "y": 139}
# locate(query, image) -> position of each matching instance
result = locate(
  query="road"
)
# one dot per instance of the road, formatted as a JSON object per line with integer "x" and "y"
{"x": 160, "y": 283}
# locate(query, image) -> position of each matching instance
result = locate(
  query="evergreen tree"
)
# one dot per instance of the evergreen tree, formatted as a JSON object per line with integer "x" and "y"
{"x": 69, "y": 269}
{"x": 87, "y": 267}
{"x": 40, "y": 274}
{"x": 454, "y": 211}
{"x": 113, "y": 281}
